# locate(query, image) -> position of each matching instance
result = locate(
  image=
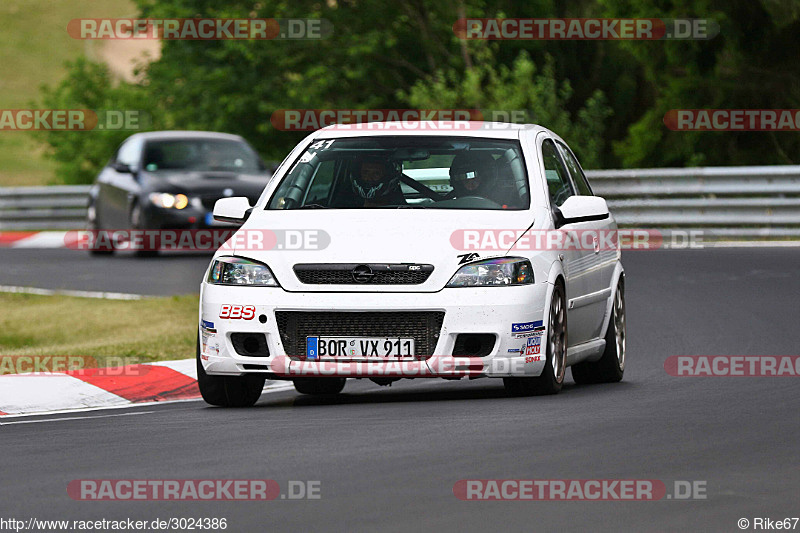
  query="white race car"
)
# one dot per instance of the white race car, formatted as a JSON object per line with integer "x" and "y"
{"x": 387, "y": 252}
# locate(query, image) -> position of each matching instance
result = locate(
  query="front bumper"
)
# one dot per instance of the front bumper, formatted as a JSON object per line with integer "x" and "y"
{"x": 488, "y": 310}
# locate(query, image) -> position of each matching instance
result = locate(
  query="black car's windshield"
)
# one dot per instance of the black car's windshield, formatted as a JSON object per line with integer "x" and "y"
{"x": 396, "y": 172}
{"x": 199, "y": 155}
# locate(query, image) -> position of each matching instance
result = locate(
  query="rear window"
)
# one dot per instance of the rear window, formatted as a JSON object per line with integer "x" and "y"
{"x": 397, "y": 172}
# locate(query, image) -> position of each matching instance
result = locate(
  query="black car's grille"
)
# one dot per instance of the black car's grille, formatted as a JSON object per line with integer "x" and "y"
{"x": 370, "y": 274}
{"x": 422, "y": 326}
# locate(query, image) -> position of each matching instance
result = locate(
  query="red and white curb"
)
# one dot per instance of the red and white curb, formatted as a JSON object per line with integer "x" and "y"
{"x": 85, "y": 390}
{"x": 33, "y": 239}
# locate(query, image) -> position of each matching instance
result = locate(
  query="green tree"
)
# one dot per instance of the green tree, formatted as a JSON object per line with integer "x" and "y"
{"x": 751, "y": 64}
{"x": 521, "y": 86}
{"x": 88, "y": 85}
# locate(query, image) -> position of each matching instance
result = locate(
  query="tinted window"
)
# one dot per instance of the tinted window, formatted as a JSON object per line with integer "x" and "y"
{"x": 558, "y": 183}
{"x": 200, "y": 154}
{"x": 578, "y": 177}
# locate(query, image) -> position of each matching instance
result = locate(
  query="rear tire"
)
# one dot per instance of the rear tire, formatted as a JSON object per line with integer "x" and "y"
{"x": 552, "y": 377}
{"x": 228, "y": 391}
{"x": 611, "y": 366}
{"x": 319, "y": 386}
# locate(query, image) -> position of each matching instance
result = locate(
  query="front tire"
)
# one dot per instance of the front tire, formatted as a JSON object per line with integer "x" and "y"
{"x": 228, "y": 391}
{"x": 319, "y": 386}
{"x": 92, "y": 225}
{"x": 611, "y": 366}
{"x": 137, "y": 224}
{"x": 552, "y": 377}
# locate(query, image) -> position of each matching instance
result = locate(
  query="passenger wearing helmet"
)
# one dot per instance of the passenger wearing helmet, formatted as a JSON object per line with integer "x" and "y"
{"x": 473, "y": 174}
{"x": 376, "y": 183}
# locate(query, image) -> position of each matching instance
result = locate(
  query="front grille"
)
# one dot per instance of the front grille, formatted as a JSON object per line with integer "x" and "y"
{"x": 369, "y": 274}
{"x": 422, "y": 326}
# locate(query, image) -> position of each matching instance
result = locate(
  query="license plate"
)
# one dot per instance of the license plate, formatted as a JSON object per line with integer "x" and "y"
{"x": 358, "y": 347}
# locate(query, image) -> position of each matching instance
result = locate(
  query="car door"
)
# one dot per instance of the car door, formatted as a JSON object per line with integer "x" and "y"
{"x": 119, "y": 186}
{"x": 576, "y": 261}
{"x": 602, "y": 260}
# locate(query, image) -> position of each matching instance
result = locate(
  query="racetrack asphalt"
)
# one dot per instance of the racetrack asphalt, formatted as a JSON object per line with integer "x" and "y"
{"x": 387, "y": 458}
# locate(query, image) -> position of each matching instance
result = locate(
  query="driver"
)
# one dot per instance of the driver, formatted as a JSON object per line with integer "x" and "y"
{"x": 376, "y": 182}
{"x": 473, "y": 174}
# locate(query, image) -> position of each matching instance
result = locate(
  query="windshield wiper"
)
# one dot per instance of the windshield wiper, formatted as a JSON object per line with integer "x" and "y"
{"x": 313, "y": 206}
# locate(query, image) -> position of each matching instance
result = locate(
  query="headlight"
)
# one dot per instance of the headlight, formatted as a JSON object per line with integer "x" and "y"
{"x": 502, "y": 271}
{"x": 238, "y": 271}
{"x": 169, "y": 201}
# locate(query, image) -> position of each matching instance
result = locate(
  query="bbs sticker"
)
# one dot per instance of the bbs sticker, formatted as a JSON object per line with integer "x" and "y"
{"x": 243, "y": 312}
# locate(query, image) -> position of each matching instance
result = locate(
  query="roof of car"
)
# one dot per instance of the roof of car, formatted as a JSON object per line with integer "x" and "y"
{"x": 496, "y": 130}
{"x": 186, "y": 135}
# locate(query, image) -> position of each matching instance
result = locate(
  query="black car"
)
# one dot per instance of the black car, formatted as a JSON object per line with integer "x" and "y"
{"x": 171, "y": 180}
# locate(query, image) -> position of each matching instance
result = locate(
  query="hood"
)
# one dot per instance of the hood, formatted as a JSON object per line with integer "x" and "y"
{"x": 207, "y": 184}
{"x": 370, "y": 236}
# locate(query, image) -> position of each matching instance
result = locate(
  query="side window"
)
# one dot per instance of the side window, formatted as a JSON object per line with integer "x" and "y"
{"x": 321, "y": 186}
{"x": 578, "y": 177}
{"x": 129, "y": 153}
{"x": 557, "y": 179}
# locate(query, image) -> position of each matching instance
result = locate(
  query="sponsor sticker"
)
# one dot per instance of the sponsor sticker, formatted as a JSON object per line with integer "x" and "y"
{"x": 234, "y": 312}
{"x": 534, "y": 345}
{"x": 524, "y": 327}
{"x": 208, "y": 340}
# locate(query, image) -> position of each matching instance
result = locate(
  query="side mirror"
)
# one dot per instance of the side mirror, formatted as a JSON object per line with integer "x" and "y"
{"x": 581, "y": 209}
{"x": 235, "y": 210}
{"x": 122, "y": 168}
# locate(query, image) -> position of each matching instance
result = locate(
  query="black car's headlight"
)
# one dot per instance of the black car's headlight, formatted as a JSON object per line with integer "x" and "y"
{"x": 501, "y": 271}
{"x": 240, "y": 271}
{"x": 169, "y": 201}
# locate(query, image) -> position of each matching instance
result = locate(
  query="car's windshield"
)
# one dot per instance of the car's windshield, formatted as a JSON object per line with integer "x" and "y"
{"x": 199, "y": 155}
{"x": 411, "y": 172}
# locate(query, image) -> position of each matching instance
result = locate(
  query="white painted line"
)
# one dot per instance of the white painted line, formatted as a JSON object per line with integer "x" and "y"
{"x": 90, "y": 409}
{"x": 71, "y": 418}
{"x": 78, "y": 294}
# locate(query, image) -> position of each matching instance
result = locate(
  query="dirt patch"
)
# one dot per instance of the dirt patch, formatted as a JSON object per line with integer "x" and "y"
{"x": 123, "y": 56}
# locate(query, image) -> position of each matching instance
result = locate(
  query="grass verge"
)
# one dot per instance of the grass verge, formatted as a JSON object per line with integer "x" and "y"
{"x": 155, "y": 329}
